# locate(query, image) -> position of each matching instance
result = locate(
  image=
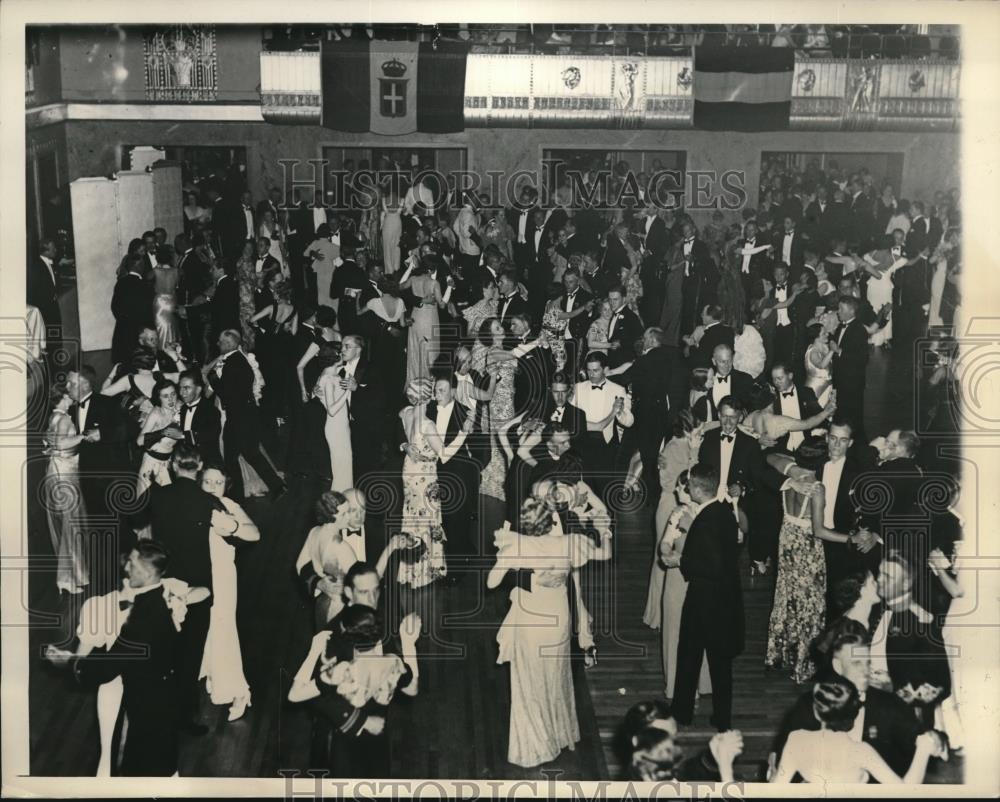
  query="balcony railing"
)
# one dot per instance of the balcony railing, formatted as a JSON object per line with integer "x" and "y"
{"x": 837, "y": 41}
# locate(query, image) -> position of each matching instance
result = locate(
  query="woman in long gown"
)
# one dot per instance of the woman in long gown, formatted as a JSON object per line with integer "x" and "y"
{"x": 535, "y": 635}
{"x": 677, "y": 454}
{"x": 327, "y": 555}
{"x": 422, "y": 343}
{"x": 222, "y": 664}
{"x": 338, "y": 426}
{"x": 819, "y": 355}
{"x": 63, "y": 499}
{"x": 671, "y": 547}
{"x": 165, "y": 280}
{"x": 246, "y": 277}
{"x": 880, "y": 267}
{"x": 387, "y": 314}
{"x": 798, "y": 612}
{"x": 392, "y": 229}
{"x": 160, "y": 433}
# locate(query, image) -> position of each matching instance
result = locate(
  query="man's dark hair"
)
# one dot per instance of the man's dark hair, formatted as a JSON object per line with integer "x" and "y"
{"x": 154, "y": 554}
{"x": 356, "y": 570}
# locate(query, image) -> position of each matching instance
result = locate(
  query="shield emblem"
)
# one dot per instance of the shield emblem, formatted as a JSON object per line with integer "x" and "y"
{"x": 392, "y": 94}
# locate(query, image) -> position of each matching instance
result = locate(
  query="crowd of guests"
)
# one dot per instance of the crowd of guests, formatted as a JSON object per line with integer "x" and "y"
{"x": 506, "y": 372}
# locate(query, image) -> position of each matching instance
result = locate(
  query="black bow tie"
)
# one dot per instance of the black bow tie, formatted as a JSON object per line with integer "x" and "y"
{"x": 83, "y": 404}
{"x": 781, "y": 287}
{"x": 124, "y": 605}
{"x": 571, "y": 294}
{"x": 350, "y": 531}
{"x": 789, "y": 394}
{"x": 598, "y": 386}
{"x": 728, "y": 438}
{"x": 789, "y": 233}
{"x": 751, "y": 241}
{"x": 689, "y": 241}
{"x": 721, "y": 379}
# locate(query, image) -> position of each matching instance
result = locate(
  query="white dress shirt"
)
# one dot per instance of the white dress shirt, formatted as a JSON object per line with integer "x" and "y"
{"x": 790, "y": 409}
{"x": 443, "y": 416}
{"x": 750, "y": 243}
{"x": 570, "y": 300}
{"x": 786, "y": 247}
{"x": 597, "y": 404}
{"x": 832, "y": 472}
{"x": 83, "y": 407}
{"x": 879, "y": 658}
{"x": 688, "y": 247}
{"x": 726, "y": 447}
{"x": 48, "y": 264}
{"x": 522, "y": 225}
{"x": 187, "y": 418}
{"x": 781, "y": 294}
{"x": 649, "y": 223}
{"x": 538, "y": 239}
{"x": 319, "y": 216}
{"x": 721, "y": 387}
{"x": 557, "y": 414}
{"x": 248, "y": 216}
{"x": 615, "y": 317}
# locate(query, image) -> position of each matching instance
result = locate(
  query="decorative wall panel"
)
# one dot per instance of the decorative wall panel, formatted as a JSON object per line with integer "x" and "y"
{"x": 290, "y": 88}
{"x": 181, "y": 64}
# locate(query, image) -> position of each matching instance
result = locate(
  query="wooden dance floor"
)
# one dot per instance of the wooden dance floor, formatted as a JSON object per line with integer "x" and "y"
{"x": 456, "y": 727}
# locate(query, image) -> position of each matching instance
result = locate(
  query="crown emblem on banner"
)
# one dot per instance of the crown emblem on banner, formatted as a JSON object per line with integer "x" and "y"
{"x": 394, "y": 68}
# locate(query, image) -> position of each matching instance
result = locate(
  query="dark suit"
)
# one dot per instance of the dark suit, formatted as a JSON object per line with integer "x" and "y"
{"x": 915, "y": 654}
{"x": 43, "y": 291}
{"x": 740, "y": 385}
{"x": 574, "y": 418}
{"x": 758, "y": 269}
{"x": 712, "y": 620}
{"x": 105, "y": 461}
{"x": 522, "y": 251}
{"x": 534, "y": 373}
{"x": 849, "y": 369}
{"x": 889, "y": 726}
{"x": 460, "y": 474}
{"x": 143, "y": 656}
{"x": 241, "y": 436}
{"x": 226, "y": 305}
{"x": 700, "y": 285}
{"x": 805, "y": 399}
{"x": 132, "y": 306}
{"x": 206, "y": 428}
{"x": 366, "y": 410}
{"x": 797, "y": 256}
{"x": 817, "y": 223}
{"x": 507, "y": 308}
{"x": 599, "y": 282}
{"x": 195, "y": 279}
{"x": 715, "y": 335}
{"x": 652, "y": 271}
{"x": 180, "y": 515}
{"x": 759, "y": 480}
{"x": 577, "y": 326}
{"x": 627, "y": 329}
{"x": 347, "y": 277}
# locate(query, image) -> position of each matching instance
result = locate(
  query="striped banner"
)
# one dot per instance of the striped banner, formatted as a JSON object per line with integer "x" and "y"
{"x": 743, "y": 88}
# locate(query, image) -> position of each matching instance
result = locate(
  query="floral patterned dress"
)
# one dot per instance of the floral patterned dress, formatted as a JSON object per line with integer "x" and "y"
{"x": 799, "y": 596}
{"x": 499, "y": 411}
{"x": 247, "y": 278}
{"x": 420, "y": 565}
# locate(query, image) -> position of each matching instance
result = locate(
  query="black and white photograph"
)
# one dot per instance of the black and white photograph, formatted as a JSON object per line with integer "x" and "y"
{"x": 413, "y": 400}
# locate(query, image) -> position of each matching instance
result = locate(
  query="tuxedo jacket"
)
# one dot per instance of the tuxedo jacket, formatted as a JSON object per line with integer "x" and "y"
{"x": 599, "y": 283}
{"x": 845, "y": 510}
{"x": 575, "y": 243}
{"x": 615, "y": 256}
{"x": 702, "y": 269}
{"x": 915, "y": 653}
{"x": 850, "y": 364}
{"x": 573, "y": 418}
{"x": 206, "y": 427}
{"x": 918, "y": 237}
{"x": 578, "y": 325}
{"x": 132, "y": 306}
{"x": 889, "y": 726}
{"x": 226, "y": 304}
{"x": 270, "y": 265}
{"x": 805, "y": 398}
{"x": 180, "y": 515}
{"x": 740, "y": 386}
{"x": 514, "y": 217}
{"x": 747, "y": 466}
{"x": 797, "y": 254}
{"x": 715, "y": 335}
{"x": 195, "y": 277}
{"x": 710, "y": 564}
{"x": 659, "y": 382}
{"x": 534, "y": 373}
{"x": 657, "y": 240}
{"x": 759, "y": 267}
{"x": 143, "y": 656}
{"x": 108, "y": 458}
{"x": 367, "y": 400}
{"x": 628, "y": 329}
{"x": 43, "y": 292}
{"x": 817, "y": 221}
{"x": 300, "y": 219}
{"x": 464, "y": 460}
{"x": 235, "y": 388}
{"x": 516, "y": 306}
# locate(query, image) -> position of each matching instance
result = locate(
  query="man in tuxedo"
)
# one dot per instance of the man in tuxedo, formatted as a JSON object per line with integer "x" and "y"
{"x": 200, "y": 420}
{"x": 457, "y": 469}
{"x": 43, "y": 283}
{"x": 270, "y": 204}
{"x": 225, "y": 310}
{"x": 365, "y": 407}
{"x": 182, "y": 517}
{"x": 659, "y": 383}
{"x": 701, "y": 278}
{"x": 792, "y": 400}
{"x": 908, "y": 654}
{"x": 347, "y": 284}
{"x": 838, "y": 474}
{"x": 715, "y": 333}
{"x": 575, "y": 310}
{"x": 151, "y": 245}
{"x": 850, "y": 365}
{"x": 816, "y": 222}
{"x": 538, "y": 270}
{"x": 725, "y": 381}
{"x": 897, "y": 468}
{"x": 143, "y": 655}
{"x": 193, "y": 294}
{"x": 482, "y": 275}
{"x": 104, "y": 452}
{"x": 559, "y": 409}
{"x": 595, "y": 278}
{"x": 521, "y": 219}
{"x": 777, "y": 329}
{"x": 302, "y": 231}
{"x": 510, "y": 302}
{"x": 755, "y": 264}
{"x": 884, "y": 720}
{"x": 918, "y": 236}
{"x": 743, "y": 472}
{"x": 164, "y": 363}
{"x": 615, "y": 254}
{"x": 534, "y": 371}
{"x": 789, "y": 247}
{"x": 231, "y": 377}
{"x": 237, "y": 227}
{"x": 861, "y": 218}
{"x": 132, "y": 306}
{"x": 264, "y": 263}
{"x": 608, "y": 409}
{"x": 624, "y": 329}
{"x": 553, "y": 457}
{"x": 712, "y": 622}
{"x": 655, "y": 245}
